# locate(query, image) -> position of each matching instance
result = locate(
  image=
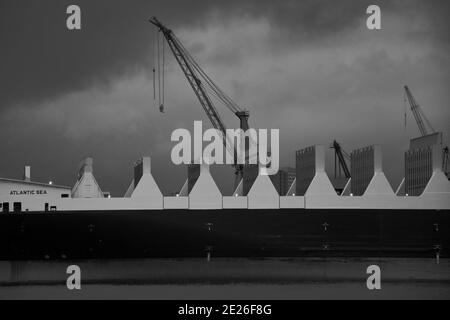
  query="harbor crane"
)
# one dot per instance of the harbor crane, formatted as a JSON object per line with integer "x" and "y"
{"x": 339, "y": 156}
{"x": 204, "y": 89}
{"x": 420, "y": 117}
{"x": 340, "y": 166}
{"x": 425, "y": 127}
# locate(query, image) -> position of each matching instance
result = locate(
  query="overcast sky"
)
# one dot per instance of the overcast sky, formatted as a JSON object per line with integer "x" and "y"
{"x": 309, "y": 68}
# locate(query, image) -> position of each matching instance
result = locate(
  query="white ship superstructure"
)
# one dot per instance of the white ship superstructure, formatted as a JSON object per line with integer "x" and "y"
{"x": 368, "y": 187}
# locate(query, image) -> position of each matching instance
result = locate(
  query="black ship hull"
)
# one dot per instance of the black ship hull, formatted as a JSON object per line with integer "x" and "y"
{"x": 224, "y": 233}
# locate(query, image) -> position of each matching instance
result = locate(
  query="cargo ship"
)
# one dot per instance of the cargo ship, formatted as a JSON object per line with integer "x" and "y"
{"x": 368, "y": 219}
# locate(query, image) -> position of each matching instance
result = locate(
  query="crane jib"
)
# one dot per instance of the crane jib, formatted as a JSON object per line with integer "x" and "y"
{"x": 201, "y": 84}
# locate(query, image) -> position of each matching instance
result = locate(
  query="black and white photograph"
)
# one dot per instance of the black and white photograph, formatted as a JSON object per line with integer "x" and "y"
{"x": 224, "y": 159}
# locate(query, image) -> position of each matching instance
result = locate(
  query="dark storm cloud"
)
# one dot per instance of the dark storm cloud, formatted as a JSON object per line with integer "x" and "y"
{"x": 41, "y": 59}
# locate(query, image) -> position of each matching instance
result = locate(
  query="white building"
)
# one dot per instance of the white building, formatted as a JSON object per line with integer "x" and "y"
{"x": 27, "y": 195}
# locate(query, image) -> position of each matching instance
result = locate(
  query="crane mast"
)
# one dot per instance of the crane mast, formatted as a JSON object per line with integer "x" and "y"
{"x": 200, "y": 82}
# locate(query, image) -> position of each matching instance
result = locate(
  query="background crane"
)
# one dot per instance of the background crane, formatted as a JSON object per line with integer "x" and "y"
{"x": 340, "y": 166}
{"x": 425, "y": 127}
{"x": 340, "y": 157}
{"x": 421, "y": 119}
{"x": 204, "y": 88}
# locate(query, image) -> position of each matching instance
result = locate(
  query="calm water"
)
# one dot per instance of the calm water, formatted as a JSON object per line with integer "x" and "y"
{"x": 228, "y": 279}
{"x": 233, "y": 292}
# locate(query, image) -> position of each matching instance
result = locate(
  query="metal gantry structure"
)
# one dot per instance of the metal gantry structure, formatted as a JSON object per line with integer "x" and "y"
{"x": 420, "y": 117}
{"x": 426, "y": 128}
{"x": 204, "y": 88}
{"x": 340, "y": 157}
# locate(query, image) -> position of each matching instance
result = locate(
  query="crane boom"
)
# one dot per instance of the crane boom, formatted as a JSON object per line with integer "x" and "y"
{"x": 419, "y": 116}
{"x": 201, "y": 83}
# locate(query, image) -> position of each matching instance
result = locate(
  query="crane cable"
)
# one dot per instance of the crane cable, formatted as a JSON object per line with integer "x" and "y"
{"x": 155, "y": 34}
{"x": 212, "y": 87}
{"x": 159, "y": 69}
{"x": 226, "y": 100}
{"x": 208, "y": 84}
{"x": 163, "y": 76}
{"x": 159, "y": 61}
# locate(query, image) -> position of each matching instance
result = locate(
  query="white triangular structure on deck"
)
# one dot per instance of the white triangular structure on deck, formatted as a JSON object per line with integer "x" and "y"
{"x": 147, "y": 189}
{"x": 437, "y": 192}
{"x": 379, "y": 185}
{"x": 321, "y": 184}
{"x": 205, "y": 194}
{"x": 438, "y": 183}
{"x": 263, "y": 194}
{"x": 86, "y": 185}
{"x": 145, "y": 186}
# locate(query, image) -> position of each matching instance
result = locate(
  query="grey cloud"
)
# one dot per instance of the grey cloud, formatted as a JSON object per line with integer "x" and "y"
{"x": 40, "y": 59}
